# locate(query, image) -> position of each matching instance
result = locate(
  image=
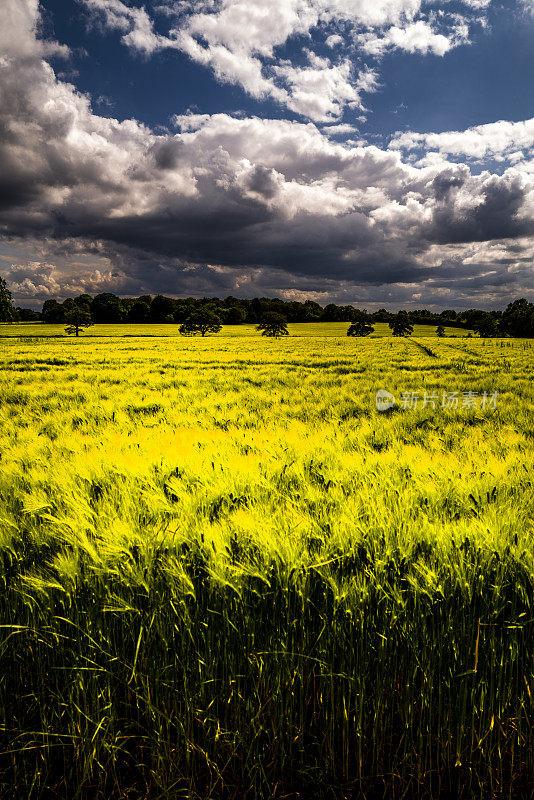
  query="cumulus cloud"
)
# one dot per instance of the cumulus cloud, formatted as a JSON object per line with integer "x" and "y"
{"x": 417, "y": 37}
{"x": 241, "y": 205}
{"x": 133, "y": 22}
{"x": 40, "y": 280}
{"x": 242, "y": 42}
{"x": 498, "y": 140}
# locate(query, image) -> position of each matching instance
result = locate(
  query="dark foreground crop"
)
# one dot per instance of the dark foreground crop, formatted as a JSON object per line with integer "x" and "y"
{"x": 342, "y": 681}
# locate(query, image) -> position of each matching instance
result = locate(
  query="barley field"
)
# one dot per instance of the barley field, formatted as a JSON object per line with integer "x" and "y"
{"x": 226, "y": 574}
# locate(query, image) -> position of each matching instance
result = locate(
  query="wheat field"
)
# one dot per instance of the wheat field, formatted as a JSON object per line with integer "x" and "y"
{"x": 226, "y": 574}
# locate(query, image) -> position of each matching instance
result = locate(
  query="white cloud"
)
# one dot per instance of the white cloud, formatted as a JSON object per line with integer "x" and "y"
{"x": 38, "y": 279}
{"x": 417, "y": 37}
{"x": 333, "y": 40}
{"x": 321, "y": 90}
{"x": 492, "y": 140}
{"x": 242, "y": 42}
{"x": 479, "y": 4}
{"x": 133, "y": 22}
{"x": 339, "y": 129}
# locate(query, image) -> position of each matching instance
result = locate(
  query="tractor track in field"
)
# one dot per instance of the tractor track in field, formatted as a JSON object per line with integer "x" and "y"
{"x": 425, "y": 349}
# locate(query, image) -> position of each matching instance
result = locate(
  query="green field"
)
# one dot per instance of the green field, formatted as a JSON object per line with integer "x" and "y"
{"x": 227, "y": 575}
{"x": 315, "y": 329}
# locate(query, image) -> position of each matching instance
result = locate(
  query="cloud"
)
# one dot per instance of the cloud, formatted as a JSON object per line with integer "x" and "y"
{"x": 133, "y": 22}
{"x": 40, "y": 280}
{"x": 240, "y": 205}
{"x": 496, "y": 140}
{"x": 321, "y": 90}
{"x": 333, "y": 40}
{"x": 339, "y": 129}
{"x": 417, "y": 37}
{"x": 243, "y": 42}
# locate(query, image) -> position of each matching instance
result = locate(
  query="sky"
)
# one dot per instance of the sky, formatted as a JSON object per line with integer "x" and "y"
{"x": 373, "y": 152}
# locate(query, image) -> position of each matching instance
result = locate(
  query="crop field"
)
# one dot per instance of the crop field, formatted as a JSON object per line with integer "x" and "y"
{"x": 311, "y": 329}
{"x": 226, "y": 574}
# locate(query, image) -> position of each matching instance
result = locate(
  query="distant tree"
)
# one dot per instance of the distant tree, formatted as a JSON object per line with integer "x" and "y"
{"x": 161, "y": 308}
{"x": 107, "y": 307}
{"x": 202, "y": 322}
{"x": 139, "y": 312}
{"x": 361, "y": 326}
{"x": 440, "y": 331}
{"x": 401, "y": 325}
{"x": 52, "y": 312}
{"x": 259, "y": 306}
{"x": 184, "y": 309}
{"x": 475, "y": 317}
{"x": 27, "y": 314}
{"x": 84, "y": 301}
{"x": 350, "y": 314}
{"x": 333, "y": 313}
{"x": 312, "y": 311}
{"x": 77, "y": 320}
{"x": 235, "y": 315}
{"x": 293, "y": 311}
{"x": 273, "y": 324}
{"x": 7, "y": 312}
{"x": 422, "y": 316}
{"x": 486, "y": 326}
{"x": 68, "y": 305}
{"x": 382, "y": 315}
{"x": 518, "y": 319}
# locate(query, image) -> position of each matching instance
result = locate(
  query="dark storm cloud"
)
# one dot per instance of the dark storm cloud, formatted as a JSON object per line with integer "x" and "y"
{"x": 447, "y": 181}
{"x": 496, "y": 216}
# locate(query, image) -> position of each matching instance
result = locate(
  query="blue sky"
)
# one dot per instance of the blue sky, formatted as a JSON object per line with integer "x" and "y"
{"x": 481, "y": 82}
{"x": 378, "y": 152}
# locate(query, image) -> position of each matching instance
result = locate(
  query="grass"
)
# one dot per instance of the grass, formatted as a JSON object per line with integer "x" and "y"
{"x": 227, "y": 575}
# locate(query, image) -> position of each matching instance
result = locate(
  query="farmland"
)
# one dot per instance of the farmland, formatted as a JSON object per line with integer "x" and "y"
{"x": 226, "y": 574}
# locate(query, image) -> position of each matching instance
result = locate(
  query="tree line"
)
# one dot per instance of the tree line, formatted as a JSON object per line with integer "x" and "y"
{"x": 516, "y": 320}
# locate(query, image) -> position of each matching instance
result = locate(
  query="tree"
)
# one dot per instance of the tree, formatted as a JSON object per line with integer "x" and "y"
{"x": 183, "y": 310}
{"x": 84, "y": 302}
{"x": 361, "y": 325}
{"x": 382, "y": 315}
{"x": 52, "y": 312}
{"x": 139, "y": 312}
{"x": 7, "y": 312}
{"x": 77, "y": 320}
{"x": 27, "y": 314}
{"x": 486, "y": 326}
{"x": 273, "y": 324}
{"x": 333, "y": 313}
{"x": 107, "y": 307}
{"x": 401, "y": 325}
{"x": 161, "y": 308}
{"x": 440, "y": 331}
{"x": 312, "y": 311}
{"x": 235, "y": 315}
{"x": 518, "y": 319}
{"x": 202, "y": 322}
